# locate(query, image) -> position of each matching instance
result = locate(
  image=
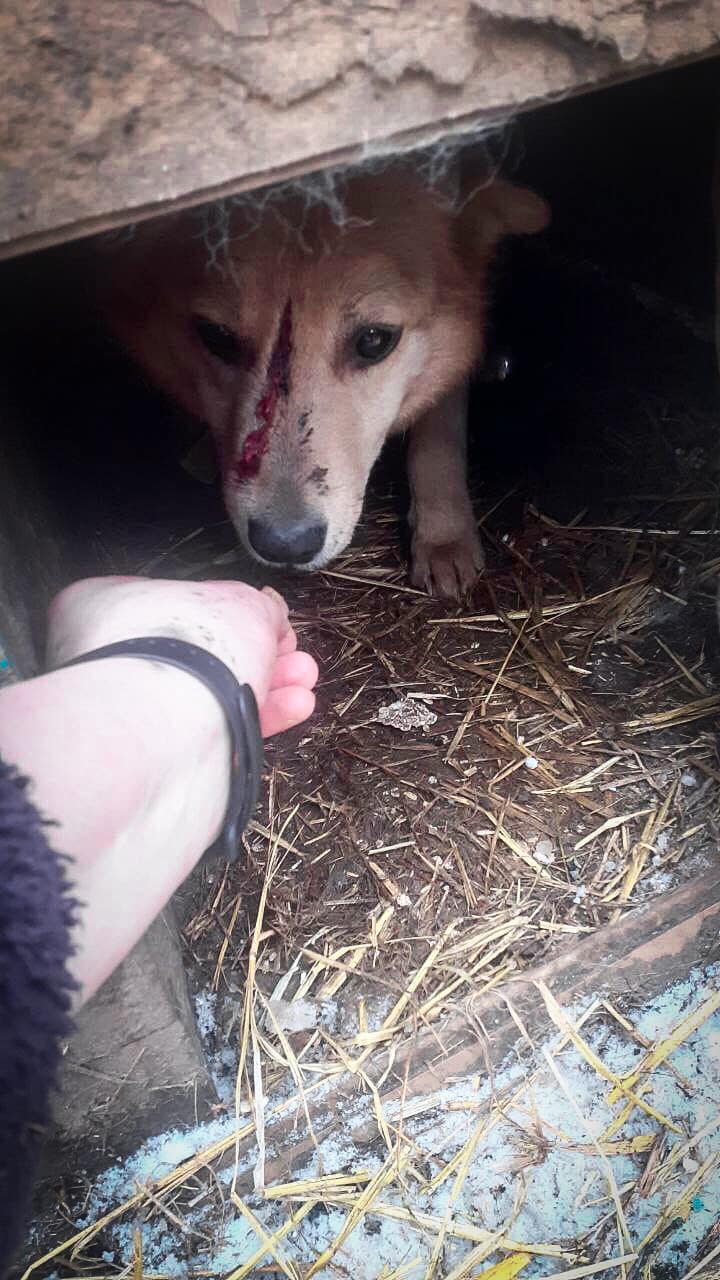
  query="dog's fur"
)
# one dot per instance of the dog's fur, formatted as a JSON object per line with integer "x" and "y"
{"x": 298, "y": 423}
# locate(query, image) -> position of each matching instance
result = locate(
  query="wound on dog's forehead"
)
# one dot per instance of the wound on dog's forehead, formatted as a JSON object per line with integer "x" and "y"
{"x": 317, "y": 477}
{"x": 304, "y": 428}
{"x": 276, "y": 387}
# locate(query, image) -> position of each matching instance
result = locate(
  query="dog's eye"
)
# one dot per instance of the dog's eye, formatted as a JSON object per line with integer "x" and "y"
{"x": 219, "y": 341}
{"x": 375, "y": 342}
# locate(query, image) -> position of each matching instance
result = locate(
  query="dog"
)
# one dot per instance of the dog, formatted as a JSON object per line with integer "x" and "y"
{"x": 312, "y": 339}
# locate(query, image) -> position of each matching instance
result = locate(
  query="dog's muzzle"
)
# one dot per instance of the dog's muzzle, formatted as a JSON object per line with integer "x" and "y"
{"x": 287, "y": 542}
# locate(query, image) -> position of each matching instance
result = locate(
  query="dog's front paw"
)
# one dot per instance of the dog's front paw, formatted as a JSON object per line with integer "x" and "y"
{"x": 447, "y": 569}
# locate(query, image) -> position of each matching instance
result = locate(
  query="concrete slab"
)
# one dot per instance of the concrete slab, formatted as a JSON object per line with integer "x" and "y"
{"x": 109, "y": 108}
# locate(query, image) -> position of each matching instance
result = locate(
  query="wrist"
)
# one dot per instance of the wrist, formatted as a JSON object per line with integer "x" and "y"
{"x": 240, "y": 709}
{"x": 110, "y": 741}
{"x": 130, "y": 761}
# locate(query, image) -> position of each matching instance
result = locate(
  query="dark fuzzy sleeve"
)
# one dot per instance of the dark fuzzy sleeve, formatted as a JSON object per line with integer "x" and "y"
{"x": 36, "y": 915}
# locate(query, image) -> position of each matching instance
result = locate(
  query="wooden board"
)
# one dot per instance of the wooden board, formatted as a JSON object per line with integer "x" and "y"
{"x": 635, "y": 959}
{"x": 114, "y": 112}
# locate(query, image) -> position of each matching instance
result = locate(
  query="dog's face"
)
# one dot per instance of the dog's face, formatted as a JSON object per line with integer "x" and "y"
{"x": 304, "y": 349}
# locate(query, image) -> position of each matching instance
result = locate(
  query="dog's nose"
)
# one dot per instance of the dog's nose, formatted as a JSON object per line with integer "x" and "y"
{"x": 289, "y": 542}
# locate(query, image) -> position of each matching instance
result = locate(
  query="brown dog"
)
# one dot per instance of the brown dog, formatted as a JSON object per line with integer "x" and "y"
{"x": 311, "y": 342}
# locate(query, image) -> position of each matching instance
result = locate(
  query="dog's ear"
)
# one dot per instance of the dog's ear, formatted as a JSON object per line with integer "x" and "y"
{"x": 494, "y": 211}
{"x": 130, "y": 264}
{"x": 141, "y": 237}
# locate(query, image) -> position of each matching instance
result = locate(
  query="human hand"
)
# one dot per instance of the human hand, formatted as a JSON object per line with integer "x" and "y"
{"x": 248, "y": 630}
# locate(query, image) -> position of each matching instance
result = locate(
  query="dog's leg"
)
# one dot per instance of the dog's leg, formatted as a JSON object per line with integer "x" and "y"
{"x": 447, "y": 556}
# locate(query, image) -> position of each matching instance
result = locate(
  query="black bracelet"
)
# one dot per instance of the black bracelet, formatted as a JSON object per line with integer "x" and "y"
{"x": 237, "y": 701}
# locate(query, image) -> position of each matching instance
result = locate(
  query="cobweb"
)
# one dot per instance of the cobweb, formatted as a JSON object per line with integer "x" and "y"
{"x": 494, "y": 147}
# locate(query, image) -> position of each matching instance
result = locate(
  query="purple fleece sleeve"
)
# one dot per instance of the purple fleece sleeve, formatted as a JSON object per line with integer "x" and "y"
{"x": 36, "y": 915}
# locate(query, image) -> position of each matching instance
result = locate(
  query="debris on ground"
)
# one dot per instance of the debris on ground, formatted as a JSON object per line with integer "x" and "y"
{"x": 594, "y": 1153}
{"x": 406, "y": 714}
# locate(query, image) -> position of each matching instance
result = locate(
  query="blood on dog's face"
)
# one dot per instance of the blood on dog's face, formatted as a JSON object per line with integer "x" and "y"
{"x": 304, "y": 350}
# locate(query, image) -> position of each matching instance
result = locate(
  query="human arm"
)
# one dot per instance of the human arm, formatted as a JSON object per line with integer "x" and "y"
{"x": 131, "y": 759}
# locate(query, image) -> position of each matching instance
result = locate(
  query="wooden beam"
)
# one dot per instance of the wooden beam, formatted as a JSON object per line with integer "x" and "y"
{"x": 633, "y": 960}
